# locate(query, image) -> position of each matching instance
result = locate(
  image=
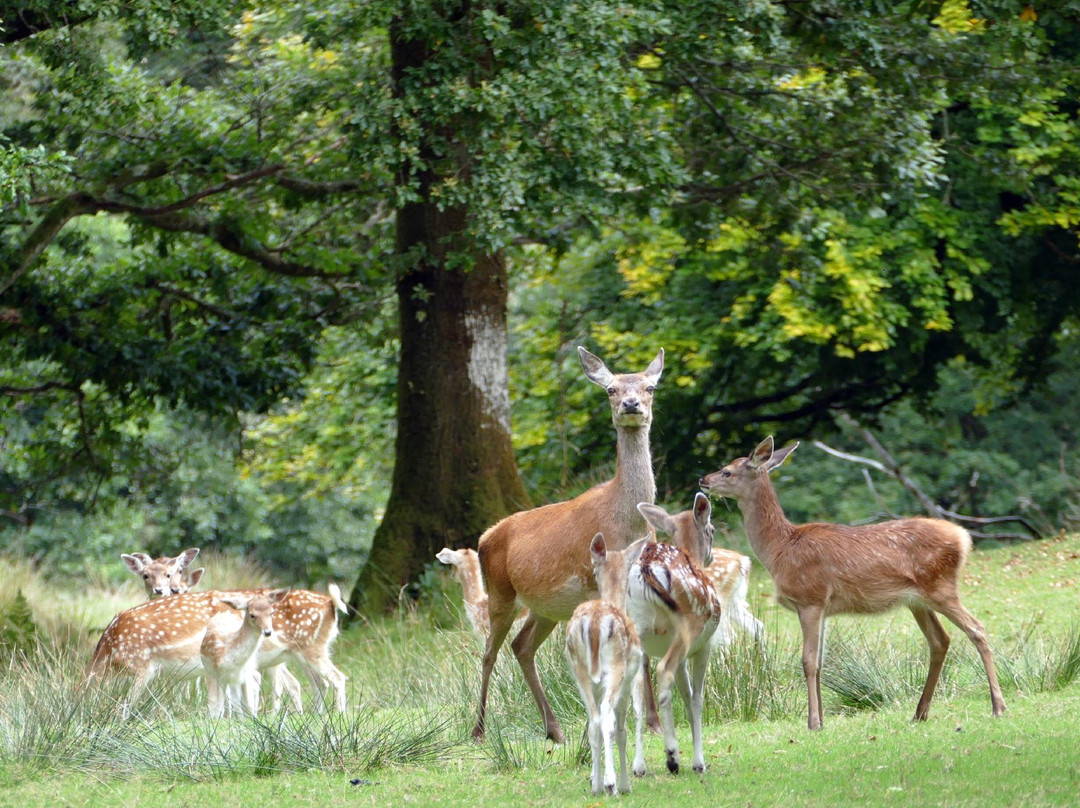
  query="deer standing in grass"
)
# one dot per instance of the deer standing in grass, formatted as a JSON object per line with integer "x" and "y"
{"x": 165, "y": 636}
{"x": 676, "y": 612}
{"x": 604, "y": 653}
{"x": 466, "y": 564}
{"x": 728, "y": 571}
{"x": 821, "y": 569}
{"x": 228, "y": 651}
{"x": 540, "y": 558}
{"x": 164, "y": 576}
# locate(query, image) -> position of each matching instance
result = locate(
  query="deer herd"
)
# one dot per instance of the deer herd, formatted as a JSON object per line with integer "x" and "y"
{"x": 631, "y": 581}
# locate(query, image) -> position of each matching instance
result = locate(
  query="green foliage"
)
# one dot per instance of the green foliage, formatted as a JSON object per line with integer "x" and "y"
{"x": 18, "y": 634}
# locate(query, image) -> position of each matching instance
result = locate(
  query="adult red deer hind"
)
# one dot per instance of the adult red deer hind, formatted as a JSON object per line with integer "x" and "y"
{"x": 540, "y": 558}
{"x": 821, "y": 569}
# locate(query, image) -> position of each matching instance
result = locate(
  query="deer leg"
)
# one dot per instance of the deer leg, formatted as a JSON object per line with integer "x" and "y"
{"x": 623, "y": 699}
{"x": 652, "y": 717}
{"x": 699, "y": 664}
{"x": 501, "y": 622}
{"x": 938, "y": 641}
{"x": 638, "y": 698}
{"x": 608, "y": 726}
{"x": 525, "y": 644}
{"x": 667, "y": 672}
{"x": 966, "y": 622}
{"x": 812, "y": 621}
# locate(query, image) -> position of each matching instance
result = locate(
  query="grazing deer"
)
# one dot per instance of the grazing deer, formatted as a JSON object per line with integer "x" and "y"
{"x": 228, "y": 648}
{"x": 540, "y": 558}
{"x": 466, "y": 564}
{"x": 165, "y": 635}
{"x": 605, "y": 656}
{"x": 728, "y": 571}
{"x": 164, "y": 576}
{"x": 822, "y": 569}
{"x": 676, "y": 612}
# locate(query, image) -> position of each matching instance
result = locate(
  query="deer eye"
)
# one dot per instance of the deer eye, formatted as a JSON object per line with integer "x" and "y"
{"x": 146, "y": 577}
{"x": 611, "y": 391}
{"x": 651, "y": 388}
{"x": 726, "y": 473}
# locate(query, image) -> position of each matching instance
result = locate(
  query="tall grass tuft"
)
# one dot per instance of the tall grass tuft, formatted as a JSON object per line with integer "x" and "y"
{"x": 751, "y": 681}
{"x": 1040, "y": 663}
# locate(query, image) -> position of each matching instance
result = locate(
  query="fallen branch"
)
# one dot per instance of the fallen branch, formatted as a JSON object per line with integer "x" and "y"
{"x": 890, "y": 467}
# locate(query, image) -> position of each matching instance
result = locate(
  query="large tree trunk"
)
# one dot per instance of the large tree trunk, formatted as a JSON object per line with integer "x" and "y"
{"x": 454, "y": 468}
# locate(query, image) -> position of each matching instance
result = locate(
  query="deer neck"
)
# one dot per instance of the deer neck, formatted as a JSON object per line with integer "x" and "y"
{"x": 766, "y": 526}
{"x": 633, "y": 482}
{"x": 245, "y": 640}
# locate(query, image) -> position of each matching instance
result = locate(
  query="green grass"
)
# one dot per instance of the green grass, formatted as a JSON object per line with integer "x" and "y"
{"x": 413, "y": 687}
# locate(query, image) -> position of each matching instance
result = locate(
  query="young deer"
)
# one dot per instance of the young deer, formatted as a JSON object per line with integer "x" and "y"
{"x": 540, "y": 558}
{"x": 822, "y": 569}
{"x": 228, "y": 647}
{"x": 466, "y": 564}
{"x": 605, "y": 655}
{"x": 164, "y": 576}
{"x": 727, "y": 571}
{"x": 676, "y": 611}
{"x": 165, "y": 635}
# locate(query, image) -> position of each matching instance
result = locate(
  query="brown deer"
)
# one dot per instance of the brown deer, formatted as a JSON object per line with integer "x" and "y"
{"x": 604, "y": 653}
{"x": 821, "y": 569}
{"x": 540, "y": 558}
{"x": 727, "y": 570}
{"x": 676, "y": 612}
{"x": 165, "y": 635}
{"x": 165, "y": 576}
{"x": 228, "y": 651}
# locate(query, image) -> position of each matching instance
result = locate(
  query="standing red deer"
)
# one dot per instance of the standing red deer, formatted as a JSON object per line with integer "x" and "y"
{"x": 540, "y": 558}
{"x": 821, "y": 569}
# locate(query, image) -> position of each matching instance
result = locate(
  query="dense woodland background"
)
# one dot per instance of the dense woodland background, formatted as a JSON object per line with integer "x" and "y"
{"x": 304, "y": 280}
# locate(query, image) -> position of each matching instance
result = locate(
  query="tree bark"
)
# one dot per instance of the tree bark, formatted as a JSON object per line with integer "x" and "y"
{"x": 454, "y": 467}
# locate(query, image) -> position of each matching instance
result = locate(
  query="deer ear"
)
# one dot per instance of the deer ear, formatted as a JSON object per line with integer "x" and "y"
{"x": 702, "y": 508}
{"x": 595, "y": 370}
{"x": 761, "y": 454}
{"x": 780, "y": 455}
{"x": 655, "y": 368}
{"x": 598, "y": 549}
{"x": 634, "y": 550}
{"x": 186, "y": 557}
{"x": 277, "y": 595}
{"x": 447, "y": 556}
{"x": 657, "y": 517}
{"x": 136, "y": 562}
{"x": 196, "y": 576}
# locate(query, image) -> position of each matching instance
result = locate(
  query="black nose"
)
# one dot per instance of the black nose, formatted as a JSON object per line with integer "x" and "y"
{"x": 267, "y": 632}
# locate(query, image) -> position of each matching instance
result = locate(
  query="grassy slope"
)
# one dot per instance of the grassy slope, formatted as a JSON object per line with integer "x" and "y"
{"x": 1025, "y": 595}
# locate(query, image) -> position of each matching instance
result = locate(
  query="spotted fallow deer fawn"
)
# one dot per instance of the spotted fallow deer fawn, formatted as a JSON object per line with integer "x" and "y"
{"x": 165, "y": 635}
{"x": 676, "y": 612}
{"x": 228, "y": 651}
{"x": 466, "y": 565}
{"x": 604, "y": 654}
{"x": 540, "y": 558}
{"x": 728, "y": 571}
{"x": 821, "y": 569}
{"x": 165, "y": 576}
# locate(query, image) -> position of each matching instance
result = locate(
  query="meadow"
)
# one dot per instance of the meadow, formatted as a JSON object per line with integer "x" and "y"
{"x": 413, "y": 687}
